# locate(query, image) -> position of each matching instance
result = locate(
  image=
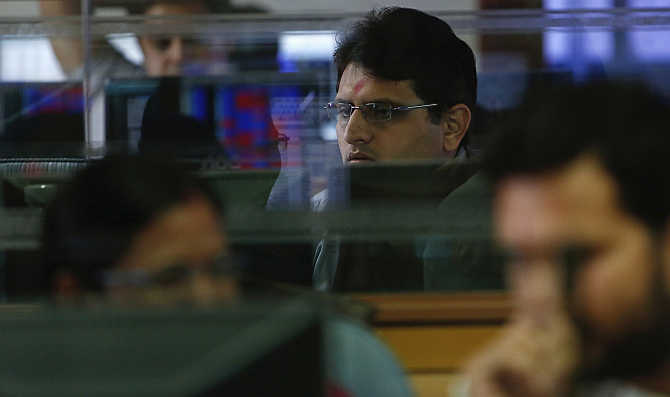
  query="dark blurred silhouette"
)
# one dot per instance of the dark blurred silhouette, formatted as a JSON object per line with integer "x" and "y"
{"x": 167, "y": 131}
{"x": 582, "y": 204}
{"x": 139, "y": 216}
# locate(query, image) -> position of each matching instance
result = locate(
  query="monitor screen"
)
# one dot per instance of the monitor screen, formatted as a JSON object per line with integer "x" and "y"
{"x": 246, "y": 115}
{"x": 246, "y": 348}
{"x": 41, "y": 119}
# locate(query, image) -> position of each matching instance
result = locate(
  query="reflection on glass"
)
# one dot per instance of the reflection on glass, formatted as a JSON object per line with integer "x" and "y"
{"x": 237, "y": 98}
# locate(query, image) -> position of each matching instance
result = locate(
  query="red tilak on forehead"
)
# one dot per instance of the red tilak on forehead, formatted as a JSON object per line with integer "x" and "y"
{"x": 359, "y": 85}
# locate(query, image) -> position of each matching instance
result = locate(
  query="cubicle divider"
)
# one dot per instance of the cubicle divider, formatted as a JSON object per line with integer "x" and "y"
{"x": 434, "y": 335}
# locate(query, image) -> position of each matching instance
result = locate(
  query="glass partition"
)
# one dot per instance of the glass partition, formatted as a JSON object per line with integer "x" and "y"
{"x": 238, "y": 96}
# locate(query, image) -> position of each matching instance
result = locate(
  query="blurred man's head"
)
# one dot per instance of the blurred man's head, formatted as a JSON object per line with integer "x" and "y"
{"x": 130, "y": 225}
{"x": 163, "y": 56}
{"x": 582, "y": 205}
{"x": 399, "y": 57}
{"x": 166, "y": 54}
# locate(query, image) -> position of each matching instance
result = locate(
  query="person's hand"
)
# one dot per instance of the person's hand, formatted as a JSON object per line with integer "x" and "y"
{"x": 531, "y": 359}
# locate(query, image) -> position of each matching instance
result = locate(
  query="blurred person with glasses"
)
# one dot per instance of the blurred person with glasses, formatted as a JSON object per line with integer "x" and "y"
{"x": 131, "y": 226}
{"x": 406, "y": 91}
{"x": 136, "y": 231}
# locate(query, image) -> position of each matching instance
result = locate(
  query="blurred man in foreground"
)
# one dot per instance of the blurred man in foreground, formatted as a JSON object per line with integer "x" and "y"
{"x": 135, "y": 231}
{"x": 582, "y": 206}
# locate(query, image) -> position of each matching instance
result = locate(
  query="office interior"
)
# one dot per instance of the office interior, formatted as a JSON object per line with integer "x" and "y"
{"x": 253, "y": 79}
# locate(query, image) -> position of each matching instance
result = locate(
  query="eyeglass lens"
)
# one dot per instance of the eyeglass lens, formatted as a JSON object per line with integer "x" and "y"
{"x": 370, "y": 111}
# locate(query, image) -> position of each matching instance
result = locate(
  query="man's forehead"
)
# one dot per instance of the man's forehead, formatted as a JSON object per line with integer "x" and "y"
{"x": 524, "y": 212}
{"x": 578, "y": 201}
{"x": 358, "y": 84}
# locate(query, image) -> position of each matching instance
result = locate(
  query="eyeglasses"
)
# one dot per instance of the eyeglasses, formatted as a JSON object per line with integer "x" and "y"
{"x": 164, "y": 277}
{"x": 373, "y": 111}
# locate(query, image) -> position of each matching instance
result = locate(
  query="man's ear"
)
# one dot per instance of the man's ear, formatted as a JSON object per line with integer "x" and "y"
{"x": 454, "y": 124}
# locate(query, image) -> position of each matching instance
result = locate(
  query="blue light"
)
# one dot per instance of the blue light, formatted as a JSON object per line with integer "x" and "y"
{"x": 579, "y": 50}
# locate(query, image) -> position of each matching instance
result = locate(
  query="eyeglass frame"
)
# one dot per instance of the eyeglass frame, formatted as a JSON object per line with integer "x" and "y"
{"x": 165, "y": 276}
{"x": 332, "y": 105}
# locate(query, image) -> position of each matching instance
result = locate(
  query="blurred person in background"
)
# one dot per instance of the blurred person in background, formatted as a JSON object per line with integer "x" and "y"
{"x": 161, "y": 53}
{"x": 164, "y": 55}
{"x": 582, "y": 206}
{"x": 406, "y": 91}
{"x": 138, "y": 231}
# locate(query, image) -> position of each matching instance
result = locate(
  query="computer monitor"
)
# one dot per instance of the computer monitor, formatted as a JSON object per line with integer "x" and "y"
{"x": 244, "y": 349}
{"x": 41, "y": 119}
{"x": 246, "y": 114}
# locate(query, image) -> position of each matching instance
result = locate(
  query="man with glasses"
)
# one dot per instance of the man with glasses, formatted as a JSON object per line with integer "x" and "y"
{"x": 139, "y": 231}
{"x": 406, "y": 91}
{"x": 130, "y": 226}
{"x": 406, "y": 88}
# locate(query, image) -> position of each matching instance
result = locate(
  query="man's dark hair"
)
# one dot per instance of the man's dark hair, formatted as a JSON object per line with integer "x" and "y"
{"x": 91, "y": 223}
{"x": 406, "y": 44}
{"x": 624, "y": 124}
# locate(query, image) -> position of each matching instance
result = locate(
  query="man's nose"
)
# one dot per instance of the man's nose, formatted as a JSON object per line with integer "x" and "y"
{"x": 206, "y": 289}
{"x": 357, "y": 129}
{"x": 537, "y": 290}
